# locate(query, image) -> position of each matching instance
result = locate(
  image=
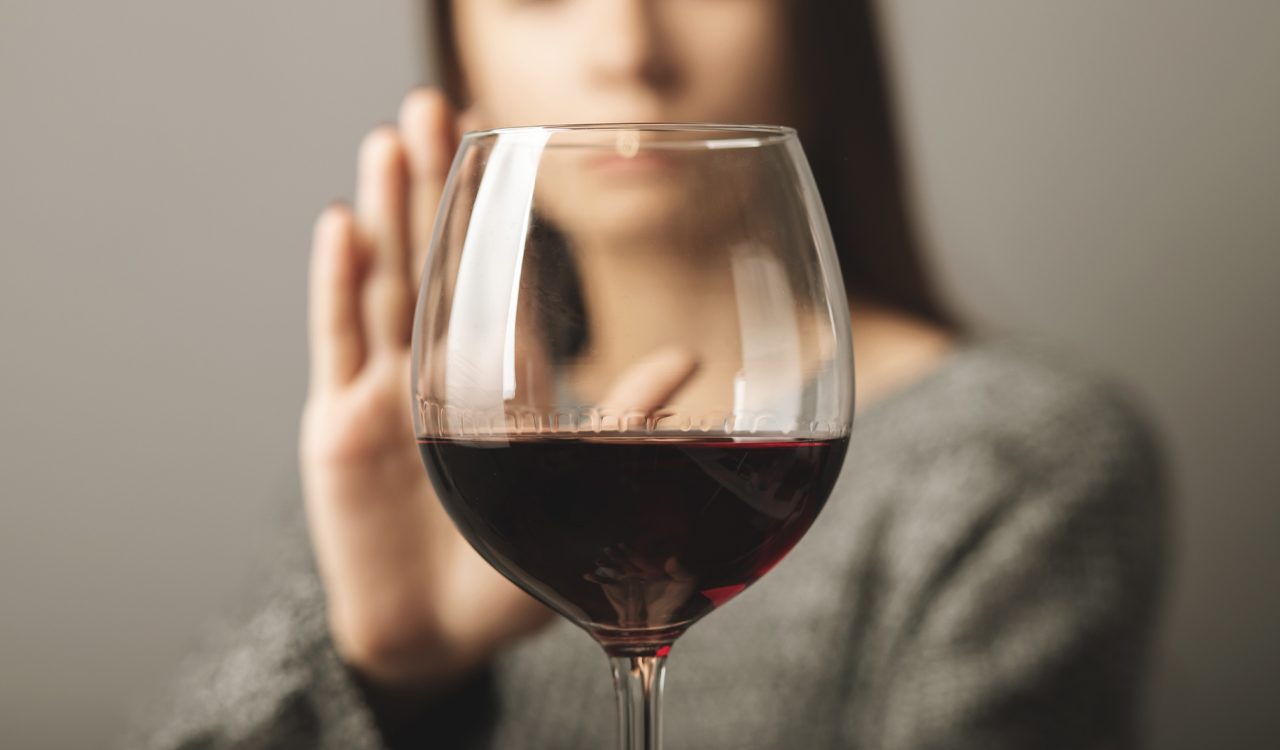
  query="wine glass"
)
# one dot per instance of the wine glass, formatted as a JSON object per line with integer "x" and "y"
{"x": 632, "y": 373}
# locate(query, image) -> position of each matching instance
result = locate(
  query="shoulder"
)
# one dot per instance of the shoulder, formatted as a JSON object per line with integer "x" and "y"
{"x": 1021, "y": 544}
{"x": 1036, "y": 408}
{"x": 1004, "y": 439}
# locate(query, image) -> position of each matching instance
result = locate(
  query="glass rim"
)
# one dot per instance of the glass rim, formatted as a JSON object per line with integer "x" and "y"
{"x": 714, "y": 135}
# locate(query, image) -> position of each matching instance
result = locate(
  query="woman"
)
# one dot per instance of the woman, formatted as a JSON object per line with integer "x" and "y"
{"x": 983, "y": 576}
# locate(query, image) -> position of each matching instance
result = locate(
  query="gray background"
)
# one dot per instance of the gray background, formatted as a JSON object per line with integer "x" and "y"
{"x": 1104, "y": 174}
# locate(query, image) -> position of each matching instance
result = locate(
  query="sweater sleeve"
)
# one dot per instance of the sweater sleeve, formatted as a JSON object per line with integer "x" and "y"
{"x": 276, "y": 681}
{"x": 1028, "y": 626}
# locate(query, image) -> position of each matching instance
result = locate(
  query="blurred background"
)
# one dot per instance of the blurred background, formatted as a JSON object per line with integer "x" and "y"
{"x": 1103, "y": 175}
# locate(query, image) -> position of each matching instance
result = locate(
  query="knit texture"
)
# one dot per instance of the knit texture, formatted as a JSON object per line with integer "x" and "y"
{"x": 985, "y": 575}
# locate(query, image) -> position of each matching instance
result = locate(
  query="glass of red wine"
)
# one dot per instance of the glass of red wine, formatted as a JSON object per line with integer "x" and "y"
{"x": 632, "y": 373}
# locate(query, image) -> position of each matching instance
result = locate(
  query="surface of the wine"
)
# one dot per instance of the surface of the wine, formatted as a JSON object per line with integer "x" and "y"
{"x": 634, "y": 538}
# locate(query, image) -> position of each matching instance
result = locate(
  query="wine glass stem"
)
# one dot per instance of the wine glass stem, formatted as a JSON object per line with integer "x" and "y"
{"x": 638, "y": 682}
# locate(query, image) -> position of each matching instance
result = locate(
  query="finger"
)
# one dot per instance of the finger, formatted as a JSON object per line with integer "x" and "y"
{"x": 381, "y": 214}
{"x": 427, "y": 129}
{"x": 651, "y": 382}
{"x": 337, "y": 344}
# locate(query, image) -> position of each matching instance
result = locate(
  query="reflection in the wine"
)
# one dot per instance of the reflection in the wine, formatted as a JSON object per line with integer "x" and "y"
{"x": 644, "y": 593}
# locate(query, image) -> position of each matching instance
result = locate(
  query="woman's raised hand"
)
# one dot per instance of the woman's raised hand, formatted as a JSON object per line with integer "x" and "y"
{"x": 409, "y": 602}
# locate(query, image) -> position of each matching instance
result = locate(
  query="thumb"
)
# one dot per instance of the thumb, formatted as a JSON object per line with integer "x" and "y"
{"x": 651, "y": 382}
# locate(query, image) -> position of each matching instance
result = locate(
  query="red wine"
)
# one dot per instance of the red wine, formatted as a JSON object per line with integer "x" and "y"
{"x": 633, "y": 537}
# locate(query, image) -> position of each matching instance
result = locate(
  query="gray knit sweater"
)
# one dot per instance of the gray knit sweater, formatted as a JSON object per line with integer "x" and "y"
{"x": 984, "y": 576}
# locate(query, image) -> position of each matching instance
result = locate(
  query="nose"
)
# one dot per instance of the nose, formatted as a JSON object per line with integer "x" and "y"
{"x": 627, "y": 45}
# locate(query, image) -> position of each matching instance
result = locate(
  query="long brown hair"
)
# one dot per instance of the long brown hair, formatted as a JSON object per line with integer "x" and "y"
{"x": 848, "y": 129}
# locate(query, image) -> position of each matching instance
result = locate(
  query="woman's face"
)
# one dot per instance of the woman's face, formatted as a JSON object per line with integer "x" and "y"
{"x": 528, "y": 62}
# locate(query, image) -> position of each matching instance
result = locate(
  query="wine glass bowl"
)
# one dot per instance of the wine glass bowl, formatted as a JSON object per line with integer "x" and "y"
{"x": 632, "y": 372}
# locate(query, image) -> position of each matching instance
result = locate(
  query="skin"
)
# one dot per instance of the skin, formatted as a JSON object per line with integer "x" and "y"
{"x": 411, "y": 606}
